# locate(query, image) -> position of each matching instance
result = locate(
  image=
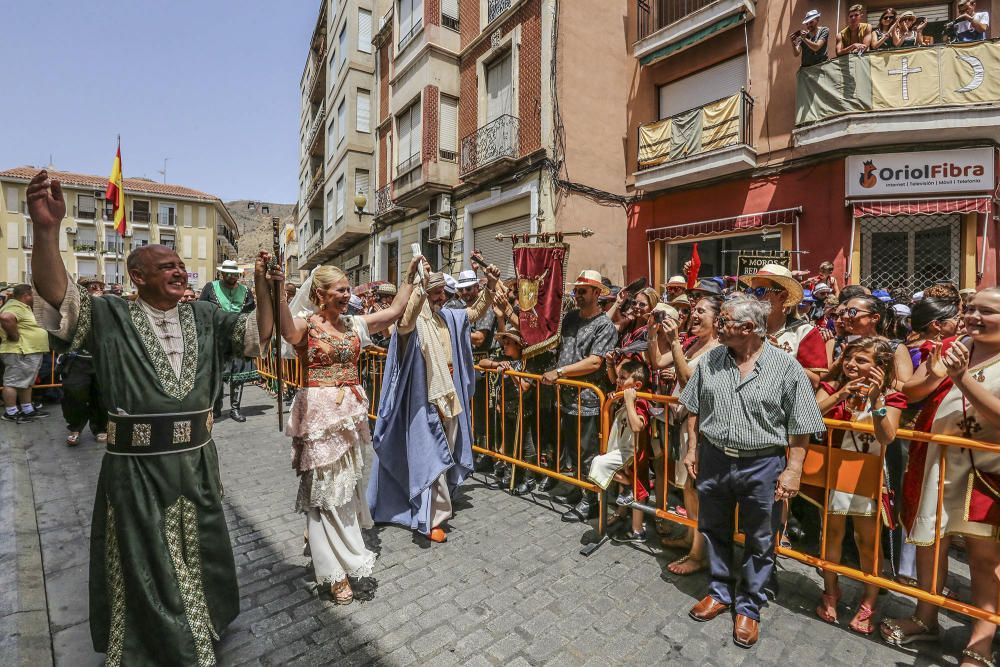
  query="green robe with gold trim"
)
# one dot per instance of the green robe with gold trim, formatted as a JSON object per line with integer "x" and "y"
{"x": 162, "y": 574}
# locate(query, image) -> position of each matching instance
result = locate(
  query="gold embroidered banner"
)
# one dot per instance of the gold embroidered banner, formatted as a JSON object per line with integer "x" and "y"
{"x": 906, "y": 78}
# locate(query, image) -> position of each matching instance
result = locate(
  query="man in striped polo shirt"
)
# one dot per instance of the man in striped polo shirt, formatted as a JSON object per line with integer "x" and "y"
{"x": 755, "y": 409}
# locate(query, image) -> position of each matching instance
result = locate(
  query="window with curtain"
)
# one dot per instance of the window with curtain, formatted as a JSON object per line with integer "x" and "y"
{"x": 499, "y": 88}
{"x": 448, "y": 134}
{"x": 408, "y": 132}
{"x": 86, "y": 207}
{"x": 364, "y": 31}
{"x": 342, "y": 47}
{"x": 341, "y": 120}
{"x": 340, "y": 197}
{"x": 363, "y": 111}
{"x": 411, "y": 18}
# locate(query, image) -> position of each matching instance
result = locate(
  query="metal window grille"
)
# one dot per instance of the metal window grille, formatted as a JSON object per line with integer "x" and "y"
{"x": 908, "y": 253}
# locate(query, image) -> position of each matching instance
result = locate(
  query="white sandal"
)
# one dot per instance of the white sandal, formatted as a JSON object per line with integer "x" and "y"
{"x": 896, "y": 637}
{"x": 73, "y": 439}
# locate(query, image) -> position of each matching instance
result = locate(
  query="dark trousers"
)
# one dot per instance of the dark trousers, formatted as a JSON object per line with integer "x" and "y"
{"x": 723, "y": 483}
{"x": 589, "y": 429}
{"x": 81, "y": 400}
{"x": 480, "y": 415}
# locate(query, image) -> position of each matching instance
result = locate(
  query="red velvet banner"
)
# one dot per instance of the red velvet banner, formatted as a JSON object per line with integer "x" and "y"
{"x": 541, "y": 280}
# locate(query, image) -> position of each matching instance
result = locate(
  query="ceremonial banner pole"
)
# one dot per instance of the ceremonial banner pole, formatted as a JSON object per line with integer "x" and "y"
{"x": 542, "y": 235}
{"x": 276, "y": 329}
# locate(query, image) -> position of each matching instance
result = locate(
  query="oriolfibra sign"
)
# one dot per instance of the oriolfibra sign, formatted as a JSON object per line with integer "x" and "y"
{"x": 926, "y": 172}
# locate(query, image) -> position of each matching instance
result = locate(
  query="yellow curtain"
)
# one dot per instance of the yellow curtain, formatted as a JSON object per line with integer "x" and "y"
{"x": 721, "y": 123}
{"x": 970, "y": 74}
{"x": 654, "y": 143}
{"x": 908, "y": 78}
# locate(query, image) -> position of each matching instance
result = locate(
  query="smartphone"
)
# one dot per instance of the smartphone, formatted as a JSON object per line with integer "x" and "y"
{"x": 659, "y": 316}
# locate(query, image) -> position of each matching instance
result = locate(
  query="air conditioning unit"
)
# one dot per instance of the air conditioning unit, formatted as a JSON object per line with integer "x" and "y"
{"x": 98, "y": 194}
{"x": 71, "y": 230}
{"x": 441, "y": 230}
{"x": 440, "y": 205}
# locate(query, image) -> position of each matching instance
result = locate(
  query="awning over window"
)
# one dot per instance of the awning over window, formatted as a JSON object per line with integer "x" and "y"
{"x": 881, "y": 207}
{"x": 751, "y": 221}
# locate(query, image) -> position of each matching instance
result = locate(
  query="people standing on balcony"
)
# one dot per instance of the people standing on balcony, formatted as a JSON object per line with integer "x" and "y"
{"x": 328, "y": 423}
{"x": 970, "y": 25}
{"x": 959, "y": 384}
{"x": 810, "y": 41}
{"x": 228, "y": 294}
{"x": 755, "y": 410}
{"x": 423, "y": 434}
{"x": 908, "y": 31}
{"x": 81, "y": 399}
{"x": 23, "y": 343}
{"x": 855, "y": 37}
{"x": 587, "y": 335}
{"x": 882, "y": 36}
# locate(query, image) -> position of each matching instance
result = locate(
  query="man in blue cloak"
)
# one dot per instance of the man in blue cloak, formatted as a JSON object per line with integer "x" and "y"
{"x": 423, "y": 435}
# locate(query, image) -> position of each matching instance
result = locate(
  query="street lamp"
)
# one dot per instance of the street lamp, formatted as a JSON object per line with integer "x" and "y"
{"x": 360, "y": 201}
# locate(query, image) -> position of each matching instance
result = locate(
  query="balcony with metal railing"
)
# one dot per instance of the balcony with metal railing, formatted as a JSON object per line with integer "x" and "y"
{"x": 315, "y": 187}
{"x": 902, "y": 96}
{"x": 317, "y": 79}
{"x": 140, "y": 217}
{"x": 386, "y": 208}
{"x": 27, "y": 242}
{"x": 705, "y": 142}
{"x": 85, "y": 246}
{"x": 667, "y": 27}
{"x": 494, "y": 8}
{"x": 314, "y": 139}
{"x": 490, "y": 150}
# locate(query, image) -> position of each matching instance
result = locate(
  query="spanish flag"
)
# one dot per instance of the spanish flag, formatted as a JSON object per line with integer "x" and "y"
{"x": 116, "y": 192}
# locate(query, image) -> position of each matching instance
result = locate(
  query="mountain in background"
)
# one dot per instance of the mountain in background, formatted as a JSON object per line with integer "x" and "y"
{"x": 255, "y": 227}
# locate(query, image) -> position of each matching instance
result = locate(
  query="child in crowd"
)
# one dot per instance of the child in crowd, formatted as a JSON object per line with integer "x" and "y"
{"x": 627, "y": 440}
{"x": 858, "y": 390}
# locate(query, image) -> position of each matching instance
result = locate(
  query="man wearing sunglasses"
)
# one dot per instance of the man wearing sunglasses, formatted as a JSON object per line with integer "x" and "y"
{"x": 754, "y": 410}
{"x": 775, "y": 285}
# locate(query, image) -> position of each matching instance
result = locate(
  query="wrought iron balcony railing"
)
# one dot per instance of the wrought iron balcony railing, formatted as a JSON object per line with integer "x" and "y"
{"x": 652, "y": 15}
{"x": 495, "y": 8}
{"x": 84, "y": 246}
{"x": 142, "y": 217}
{"x": 383, "y": 200}
{"x": 316, "y": 126}
{"x": 496, "y": 140}
{"x": 713, "y": 126}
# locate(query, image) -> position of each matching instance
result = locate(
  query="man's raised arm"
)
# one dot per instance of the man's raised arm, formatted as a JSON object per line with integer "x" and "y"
{"x": 47, "y": 209}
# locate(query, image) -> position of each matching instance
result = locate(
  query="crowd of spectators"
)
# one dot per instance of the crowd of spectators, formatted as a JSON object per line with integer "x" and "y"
{"x": 894, "y": 29}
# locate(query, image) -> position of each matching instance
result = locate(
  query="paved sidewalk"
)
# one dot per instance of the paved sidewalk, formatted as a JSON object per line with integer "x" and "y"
{"x": 508, "y": 588}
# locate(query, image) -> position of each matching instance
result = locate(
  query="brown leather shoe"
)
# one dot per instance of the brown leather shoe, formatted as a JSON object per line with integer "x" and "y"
{"x": 707, "y": 609}
{"x": 745, "y": 631}
{"x": 437, "y": 535}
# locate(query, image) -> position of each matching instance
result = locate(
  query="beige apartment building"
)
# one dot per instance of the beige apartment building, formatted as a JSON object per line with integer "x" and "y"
{"x": 194, "y": 223}
{"x": 482, "y": 130}
{"x": 335, "y": 139}
{"x": 732, "y": 145}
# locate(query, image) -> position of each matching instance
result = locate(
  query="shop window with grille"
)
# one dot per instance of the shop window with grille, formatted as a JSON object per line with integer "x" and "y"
{"x": 501, "y": 252}
{"x": 908, "y": 253}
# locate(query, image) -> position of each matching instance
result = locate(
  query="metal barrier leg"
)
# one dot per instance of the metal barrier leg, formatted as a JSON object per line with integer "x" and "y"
{"x": 602, "y": 533}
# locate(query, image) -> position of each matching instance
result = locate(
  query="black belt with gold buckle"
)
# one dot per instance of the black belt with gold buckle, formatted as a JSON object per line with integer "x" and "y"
{"x": 148, "y": 435}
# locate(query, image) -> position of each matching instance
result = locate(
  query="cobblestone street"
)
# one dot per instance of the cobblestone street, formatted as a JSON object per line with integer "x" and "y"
{"x": 508, "y": 588}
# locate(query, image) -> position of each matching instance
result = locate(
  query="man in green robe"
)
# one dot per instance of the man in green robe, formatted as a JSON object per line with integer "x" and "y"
{"x": 162, "y": 574}
{"x": 228, "y": 294}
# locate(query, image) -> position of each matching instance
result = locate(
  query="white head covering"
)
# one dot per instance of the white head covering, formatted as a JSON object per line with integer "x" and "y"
{"x": 300, "y": 306}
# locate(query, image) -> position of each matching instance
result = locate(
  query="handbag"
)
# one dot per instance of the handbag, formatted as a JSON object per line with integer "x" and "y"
{"x": 982, "y": 498}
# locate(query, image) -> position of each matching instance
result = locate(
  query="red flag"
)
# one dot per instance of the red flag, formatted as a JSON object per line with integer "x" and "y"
{"x": 694, "y": 268}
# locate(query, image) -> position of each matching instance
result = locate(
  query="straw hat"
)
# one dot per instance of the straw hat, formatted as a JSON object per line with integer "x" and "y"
{"x": 386, "y": 289}
{"x": 781, "y": 276}
{"x": 676, "y": 281}
{"x": 668, "y": 311}
{"x": 466, "y": 278}
{"x": 680, "y": 300}
{"x": 591, "y": 278}
{"x": 513, "y": 334}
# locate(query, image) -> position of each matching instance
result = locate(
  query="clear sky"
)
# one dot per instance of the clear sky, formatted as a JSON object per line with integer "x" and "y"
{"x": 211, "y": 84}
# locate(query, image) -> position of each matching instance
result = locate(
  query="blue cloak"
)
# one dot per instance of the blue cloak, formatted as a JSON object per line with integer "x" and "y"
{"x": 411, "y": 450}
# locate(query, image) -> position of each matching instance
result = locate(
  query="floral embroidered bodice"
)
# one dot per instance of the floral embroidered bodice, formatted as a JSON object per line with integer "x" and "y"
{"x": 330, "y": 361}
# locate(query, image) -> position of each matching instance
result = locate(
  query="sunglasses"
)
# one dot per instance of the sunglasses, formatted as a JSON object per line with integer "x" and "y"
{"x": 759, "y": 292}
{"x": 888, "y": 17}
{"x": 854, "y": 312}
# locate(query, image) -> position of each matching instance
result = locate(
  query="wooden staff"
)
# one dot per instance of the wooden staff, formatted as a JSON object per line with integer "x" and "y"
{"x": 276, "y": 262}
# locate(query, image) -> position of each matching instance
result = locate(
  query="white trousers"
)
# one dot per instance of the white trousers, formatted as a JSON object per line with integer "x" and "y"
{"x": 441, "y": 509}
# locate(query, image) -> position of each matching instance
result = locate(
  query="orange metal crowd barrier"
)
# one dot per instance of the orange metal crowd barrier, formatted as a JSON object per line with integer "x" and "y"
{"x": 853, "y": 472}
{"x": 291, "y": 369}
{"x": 50, "y": 380}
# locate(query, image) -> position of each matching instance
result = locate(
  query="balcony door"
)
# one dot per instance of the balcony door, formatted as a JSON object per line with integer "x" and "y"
{"x": 709, "y": 85}
{"x": 908, "y": 253}
{"x": 499, "y": 89}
